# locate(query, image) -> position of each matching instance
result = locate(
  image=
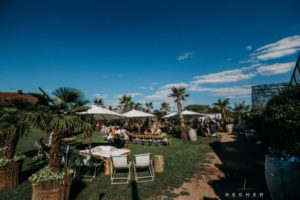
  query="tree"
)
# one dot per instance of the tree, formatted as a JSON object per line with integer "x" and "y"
{"x": 222, "y": 106}
{"x": 99, "y": 102}
{"x": 165, "y": 108}
{"x": 241, "y": 108}
{"x": 138, "y": 106}
{"x": 69, "y": 97}
{"x": 179, "y": 95}
{"x": 13, "y": 125}
{"x": 149, "y": 106}
{"x": 60, "y": 116}
{"x": 158, "y": 113}
{"x": 125, "y": 103}
{"x": 199, "y": 108}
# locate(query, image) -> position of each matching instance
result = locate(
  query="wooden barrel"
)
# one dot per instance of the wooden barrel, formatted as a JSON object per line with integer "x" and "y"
{"x": 193, "y": 135}
{"x": 229, "y": 128}
{"x": 52, "y": 191}
{"x": 283, "y": 178}
{"x": 9, "y": 175}
{"x": 159, "y": 163}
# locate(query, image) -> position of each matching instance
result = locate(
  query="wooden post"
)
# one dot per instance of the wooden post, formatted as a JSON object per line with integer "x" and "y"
{"x": 159, "y": 164}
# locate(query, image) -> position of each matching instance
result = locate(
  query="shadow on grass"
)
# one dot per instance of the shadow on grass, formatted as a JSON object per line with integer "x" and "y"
{"x": 242, "y": 166}
{"x": 76, "y": 187}
{"x": 134, "y": 191}
{"x": 32, "y": 166}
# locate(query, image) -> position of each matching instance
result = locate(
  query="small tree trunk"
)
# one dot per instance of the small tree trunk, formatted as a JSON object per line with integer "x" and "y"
{"x": 183, "y": 132}
{"x": 180, "y": 114}
{"x": 56, "y": 152}
{"x": 223, "y": 110}
{"x": 11, "y": 147}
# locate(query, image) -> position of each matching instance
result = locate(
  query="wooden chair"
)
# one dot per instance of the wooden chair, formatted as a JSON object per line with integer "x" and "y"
{"x": 148, "y": 139}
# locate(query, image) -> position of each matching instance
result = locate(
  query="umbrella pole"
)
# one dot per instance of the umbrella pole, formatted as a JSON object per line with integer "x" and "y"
{"x": 91, "y": 141}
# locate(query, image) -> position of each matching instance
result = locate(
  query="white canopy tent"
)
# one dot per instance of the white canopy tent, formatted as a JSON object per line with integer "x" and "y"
{"x": 100, "y": 113}
{"x": 186, "y": 113}
{"x": 137, "y": 114}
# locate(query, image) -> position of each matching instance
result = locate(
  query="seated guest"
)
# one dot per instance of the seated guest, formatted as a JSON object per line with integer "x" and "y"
{"x": 125, "y": 132}
{"x": 118, "y": 131}
{"x": 43, "y": 146}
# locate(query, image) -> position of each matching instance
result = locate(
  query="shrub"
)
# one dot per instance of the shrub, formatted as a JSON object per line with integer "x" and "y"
{"x": 282, "y": 122}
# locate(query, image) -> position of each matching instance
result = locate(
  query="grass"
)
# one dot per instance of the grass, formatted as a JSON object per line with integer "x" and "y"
{"x": 180, "y": 164}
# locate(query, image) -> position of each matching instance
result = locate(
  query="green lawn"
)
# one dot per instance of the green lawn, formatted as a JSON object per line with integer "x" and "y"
{"x": 180, "y": 164}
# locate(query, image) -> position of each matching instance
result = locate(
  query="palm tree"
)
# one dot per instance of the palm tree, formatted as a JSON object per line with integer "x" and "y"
{"x": 165, "y": 108}
{"x": 138, "y": 106}
{"x": 241, "y": 108}
{"x": 99, "y": 102}
{"x": 125, "y": 103}
{"x": 222, "y": 106}
{"x": 179, "y": 95}
{"x": 13, "y": 125}
{"x": 69, "y": 97}
{"x": 149, "y": 106}
{"x": 60, "y": 116}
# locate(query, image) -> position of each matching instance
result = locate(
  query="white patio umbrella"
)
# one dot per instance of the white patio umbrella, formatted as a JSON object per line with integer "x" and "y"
{"x": 137, "y": 114}
{"x": 185, "y": 113}
{"x": 100, "y": 113}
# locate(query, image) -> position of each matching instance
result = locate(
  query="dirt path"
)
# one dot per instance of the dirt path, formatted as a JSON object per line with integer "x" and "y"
{"x": 199, "y": 188}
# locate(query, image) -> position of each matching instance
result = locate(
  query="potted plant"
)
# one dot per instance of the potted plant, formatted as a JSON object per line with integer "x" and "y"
{"x": 59, "y": 114}
{"x": 282, "y": 134}
{"x": 13, "y": 125}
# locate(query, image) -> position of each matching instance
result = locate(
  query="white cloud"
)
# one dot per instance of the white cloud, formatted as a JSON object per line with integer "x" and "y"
{"x": 281, "y": 48}
{"x": 100, "y": 96}
{"x": 159, "y": 95}
{"x": 146, "y": 88}
{"x": 186, "y": 55}
{"x": 229, "y": 92}
{"x": 248, "y": 48}
{"x": 227, "y": 76}
{"x": 175, "y": 85}
{"x": 277, "y": 68}
{"x": 130, "y": 94}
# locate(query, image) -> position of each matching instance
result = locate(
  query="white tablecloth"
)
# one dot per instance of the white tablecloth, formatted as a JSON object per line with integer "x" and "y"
{"x": 106, "y": 151}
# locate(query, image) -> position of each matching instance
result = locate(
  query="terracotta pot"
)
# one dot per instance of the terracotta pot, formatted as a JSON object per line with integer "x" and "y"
{"x": 9, "y": 175}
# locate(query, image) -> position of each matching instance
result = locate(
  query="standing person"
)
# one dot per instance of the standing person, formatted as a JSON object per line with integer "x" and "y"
{"x": 212, "y": 128}
{"x": 208, "y": 130}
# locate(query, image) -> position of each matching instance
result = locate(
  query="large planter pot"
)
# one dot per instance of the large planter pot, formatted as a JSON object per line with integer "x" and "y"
{"x": 283, "y": 178}
{"x": 229, "y": 128}
{"x": 193, "y": 135}
{"x": 52, "y": 190}
{"x": 9, "y": 175}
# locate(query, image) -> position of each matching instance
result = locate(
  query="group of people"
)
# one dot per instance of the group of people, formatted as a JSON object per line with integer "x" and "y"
{"x": 113, "y": 132}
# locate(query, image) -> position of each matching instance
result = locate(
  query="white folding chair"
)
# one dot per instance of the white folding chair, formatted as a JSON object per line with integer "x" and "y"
{"x": 120, "y": 163}
{"x": 144, "y": 162}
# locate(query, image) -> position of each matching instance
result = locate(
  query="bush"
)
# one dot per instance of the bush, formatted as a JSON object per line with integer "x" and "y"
{"x": 282, "y": 122}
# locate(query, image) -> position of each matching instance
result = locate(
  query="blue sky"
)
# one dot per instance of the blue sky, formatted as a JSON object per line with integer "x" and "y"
{"x": 216, "y": 49}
